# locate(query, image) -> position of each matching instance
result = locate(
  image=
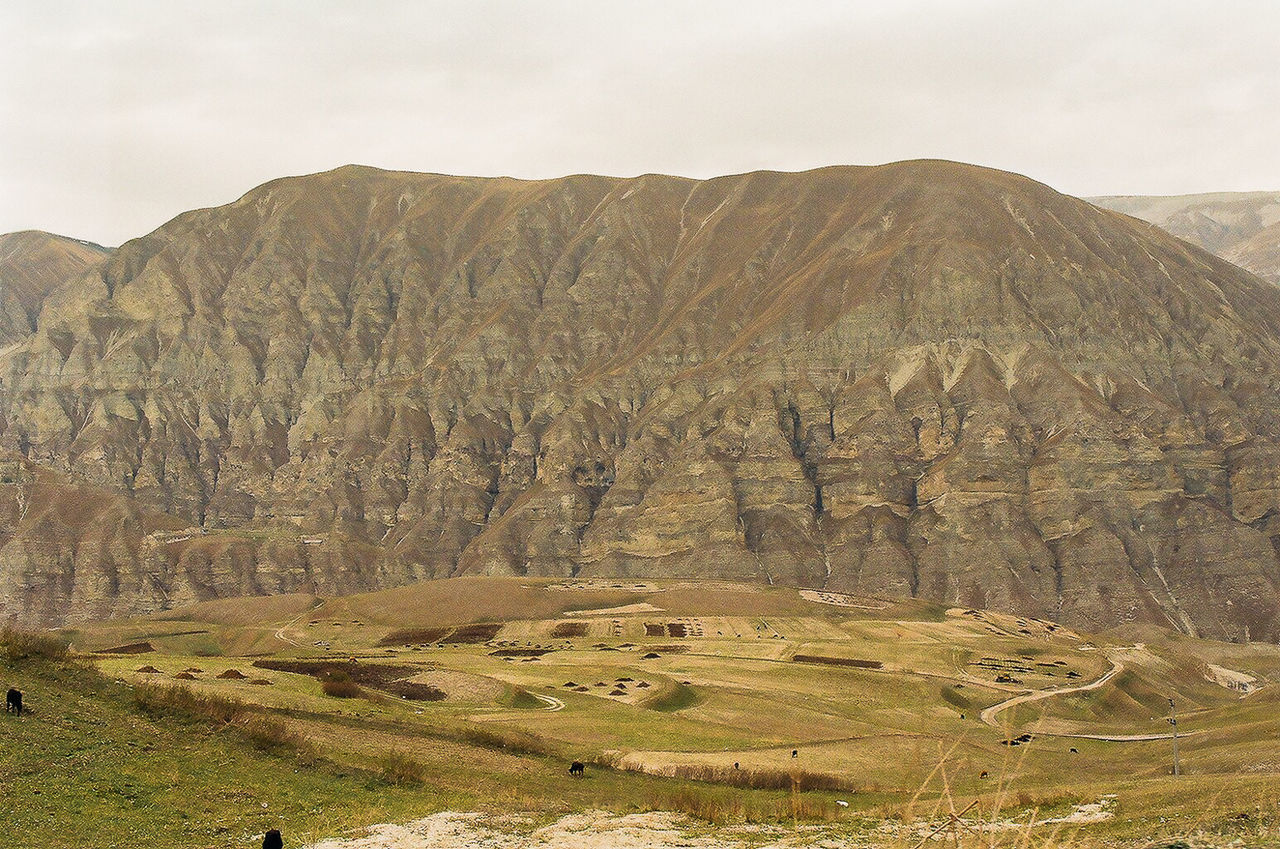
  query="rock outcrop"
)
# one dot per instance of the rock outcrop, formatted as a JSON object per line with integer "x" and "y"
{"x": 923, "y": 379}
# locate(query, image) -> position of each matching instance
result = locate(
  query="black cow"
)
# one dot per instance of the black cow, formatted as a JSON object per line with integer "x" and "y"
{"x": 795, "y": 753}
{"x": 272, "y": 840}
{"x": 13, "y": 702}
{"x": 577, "y": 768}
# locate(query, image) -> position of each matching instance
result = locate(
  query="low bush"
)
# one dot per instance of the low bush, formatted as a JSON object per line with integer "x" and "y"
{"x": 763, "y": 779}
{"x": 176, "y": 700}
{"x": 336, "y": 683}
{"x": 265, "y": 732}
{"x": 398, "y": 768}
{"x": 954, "y": 697}
{"x": 270, "y": 734}
{"x": 27, "y": 645}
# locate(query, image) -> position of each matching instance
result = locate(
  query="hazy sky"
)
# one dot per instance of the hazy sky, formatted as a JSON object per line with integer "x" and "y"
{"x": 116, "y": 116}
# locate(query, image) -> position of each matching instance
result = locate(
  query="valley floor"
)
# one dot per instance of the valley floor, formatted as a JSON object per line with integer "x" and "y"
{"x": 707, "y": 715}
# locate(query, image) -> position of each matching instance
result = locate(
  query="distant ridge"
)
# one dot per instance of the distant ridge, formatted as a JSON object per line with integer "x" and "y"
{"x": 1241, "y": 227}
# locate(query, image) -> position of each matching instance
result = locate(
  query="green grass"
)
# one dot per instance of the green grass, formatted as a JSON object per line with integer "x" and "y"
{"x": 88, "y": 767}
{"x": 677, "y": 698}
{"x": 520, "y": 699}
{"x": 883, "y": 736}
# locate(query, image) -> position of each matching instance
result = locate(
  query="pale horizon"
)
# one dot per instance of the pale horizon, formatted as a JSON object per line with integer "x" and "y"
{"x": 130, "y": 114}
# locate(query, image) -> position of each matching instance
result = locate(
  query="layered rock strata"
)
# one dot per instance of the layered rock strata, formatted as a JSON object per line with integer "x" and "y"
{"x": 922, "y": 379}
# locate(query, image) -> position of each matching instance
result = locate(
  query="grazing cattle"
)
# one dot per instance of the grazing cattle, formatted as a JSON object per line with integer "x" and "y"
{"x": 13, "y": 702}
{"x": 795, "y": 753}
{"x": 272, "y": 840}
{"x": 735, "y": 765}
{"x": 984, "y": 774}
{"x": 1074, "y": 750}
{"x": 577, "y": 768}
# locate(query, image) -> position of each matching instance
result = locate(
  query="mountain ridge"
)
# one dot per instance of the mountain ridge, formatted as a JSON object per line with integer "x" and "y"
{"x": 923, "y": 379}
{"x": 32, "y": 264}
{"x": 1241, "y": 227}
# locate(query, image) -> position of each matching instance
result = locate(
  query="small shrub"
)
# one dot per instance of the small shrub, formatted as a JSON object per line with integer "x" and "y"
{"x": 131, "y": 648}
{"x": 270, "y": 734}
{"x": 398, "y": 768}
{"x": 27, "y": 645}
{"x": 340, "y": 688}
{"x": 519, "y": 742}
{"x": 263, "y": 731}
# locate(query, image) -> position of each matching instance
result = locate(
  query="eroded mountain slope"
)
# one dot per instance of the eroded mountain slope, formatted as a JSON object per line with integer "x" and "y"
{"x": 33, "y": 264}
{"x": 923, "y": 378}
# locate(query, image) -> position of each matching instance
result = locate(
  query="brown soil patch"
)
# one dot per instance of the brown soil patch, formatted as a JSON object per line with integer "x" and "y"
{"x": 569, "y": 629}
{"x": 838, "y": 661}
{"x": 131, "y": 648}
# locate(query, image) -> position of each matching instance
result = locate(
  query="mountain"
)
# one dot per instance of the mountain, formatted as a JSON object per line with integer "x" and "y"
{"x": 32, "y": 264}
{"x": 1241, "y": 227}
{"x": 920, "y": 379}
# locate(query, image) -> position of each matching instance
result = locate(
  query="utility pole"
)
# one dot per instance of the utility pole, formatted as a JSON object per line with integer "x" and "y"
{"x": 1173, "y": 720}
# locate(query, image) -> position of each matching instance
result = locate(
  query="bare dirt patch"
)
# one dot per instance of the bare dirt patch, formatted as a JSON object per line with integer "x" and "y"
{"x": 131, "y": 648}
{"x": 838, "y": 661}
{"x": 377, "y": 676}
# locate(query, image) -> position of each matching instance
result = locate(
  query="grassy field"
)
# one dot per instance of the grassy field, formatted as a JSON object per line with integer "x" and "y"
{"x": 680, "y": 696}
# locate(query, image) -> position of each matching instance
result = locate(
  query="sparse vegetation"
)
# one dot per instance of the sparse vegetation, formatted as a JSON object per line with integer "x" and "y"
{"x": 28, "y": 645}
{"x": 720, "y": 806}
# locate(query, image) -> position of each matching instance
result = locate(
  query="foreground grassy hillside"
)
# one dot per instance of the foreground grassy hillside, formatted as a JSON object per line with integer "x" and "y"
{"x": 731, "y": 703}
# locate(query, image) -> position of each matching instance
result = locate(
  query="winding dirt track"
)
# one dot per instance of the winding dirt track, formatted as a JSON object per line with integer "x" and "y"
{"x": 988, "y": 715}
{"x": 280, "y": 635}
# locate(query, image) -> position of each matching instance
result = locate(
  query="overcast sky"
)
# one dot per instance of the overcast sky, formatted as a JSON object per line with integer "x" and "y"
{"x": 116, "y": 116}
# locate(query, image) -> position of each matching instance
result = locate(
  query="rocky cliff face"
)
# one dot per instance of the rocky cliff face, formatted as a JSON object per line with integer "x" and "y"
{"x": 1241, "y": 227}
{"x": 32, "y": 264}
{"x": 918, "y": 379}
